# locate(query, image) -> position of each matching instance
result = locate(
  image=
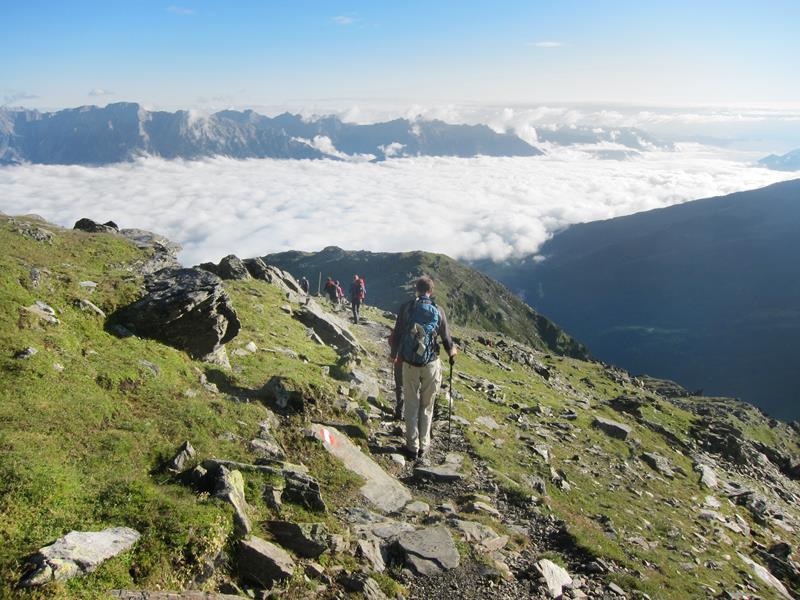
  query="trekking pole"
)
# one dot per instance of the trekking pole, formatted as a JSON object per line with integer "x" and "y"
{"x": 450, "y": 407}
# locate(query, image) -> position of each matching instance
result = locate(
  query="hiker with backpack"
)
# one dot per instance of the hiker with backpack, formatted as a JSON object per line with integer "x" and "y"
{"x": 304, "y": 285}
{"x": 415, "y": 341}
{"x": 358, "y": 292}
{"x": 331, "y": 290}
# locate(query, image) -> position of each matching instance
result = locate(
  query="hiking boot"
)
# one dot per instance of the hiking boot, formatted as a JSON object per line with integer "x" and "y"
{"x": 423, "y": 460}
{"x": 410, "y": 454}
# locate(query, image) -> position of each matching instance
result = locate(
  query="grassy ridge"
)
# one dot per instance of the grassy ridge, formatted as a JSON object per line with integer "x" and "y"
{"x": 470, "y": 298}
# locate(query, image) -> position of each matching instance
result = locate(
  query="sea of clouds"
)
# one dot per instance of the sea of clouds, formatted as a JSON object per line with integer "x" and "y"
{"x": 467, "y": 208}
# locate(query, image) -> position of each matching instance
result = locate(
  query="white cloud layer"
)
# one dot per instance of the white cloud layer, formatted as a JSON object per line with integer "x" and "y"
{"x": 471, "y": 208}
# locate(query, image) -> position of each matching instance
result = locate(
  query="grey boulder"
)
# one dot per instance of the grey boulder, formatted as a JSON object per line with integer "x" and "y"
{"x": 185, "y": 308}
{"x": 612, "y": 428}
{"x": 231, "y": 267}
{"x": 555, "y": 577}
{"x": 262, "y": 562}
{"x": 178, "y": 463}
{"x": 331, "y": 330}
{"x": 78, "y": 553}
{"x": 306, "y": 539}
{"x": 429, "y": 551}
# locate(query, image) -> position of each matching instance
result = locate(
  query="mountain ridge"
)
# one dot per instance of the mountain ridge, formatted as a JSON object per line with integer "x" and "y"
{"x": 469, "y": 298}
{"x": 123, "y": 131}
{"x": 699, "y": 292}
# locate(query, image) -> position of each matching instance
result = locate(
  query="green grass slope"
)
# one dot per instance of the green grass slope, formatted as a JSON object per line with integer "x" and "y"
{"x": 84, "y": 423}
{"x": 87, "y": 420}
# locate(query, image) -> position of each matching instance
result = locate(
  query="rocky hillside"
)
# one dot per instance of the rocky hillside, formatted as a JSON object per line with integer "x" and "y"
{"x": 470, "y": 298}
{"x": 167, "y": 434}
{"x": 703, "y": 293}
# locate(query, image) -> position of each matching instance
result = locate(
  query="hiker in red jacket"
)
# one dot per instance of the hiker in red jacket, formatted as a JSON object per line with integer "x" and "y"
{"x": 358, "y": 292}
{"x": 330, "y": 289}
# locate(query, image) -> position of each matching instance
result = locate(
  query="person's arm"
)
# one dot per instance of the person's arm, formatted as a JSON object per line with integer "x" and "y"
{"x": 444, "y": 334}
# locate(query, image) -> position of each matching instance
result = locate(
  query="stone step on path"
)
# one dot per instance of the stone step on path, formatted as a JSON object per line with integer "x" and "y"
{"x": 382, "y": 490}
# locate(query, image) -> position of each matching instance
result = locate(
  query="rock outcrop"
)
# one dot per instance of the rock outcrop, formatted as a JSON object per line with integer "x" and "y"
{"x": 185, "y": 308}
{"x": 231, "y": 267}
{"x": 329, "y": 328}
{"x": 163, "y": 253}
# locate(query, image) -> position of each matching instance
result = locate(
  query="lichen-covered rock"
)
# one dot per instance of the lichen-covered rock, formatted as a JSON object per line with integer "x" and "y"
{"x": 78, "y": 553}
{"x": 230, "y": 488}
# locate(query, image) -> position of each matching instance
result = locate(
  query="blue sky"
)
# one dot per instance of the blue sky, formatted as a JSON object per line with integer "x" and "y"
{"x": 243, "y": 53}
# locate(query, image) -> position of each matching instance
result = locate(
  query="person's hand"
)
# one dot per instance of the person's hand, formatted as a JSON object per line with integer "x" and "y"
{"x": 453, "y": 352}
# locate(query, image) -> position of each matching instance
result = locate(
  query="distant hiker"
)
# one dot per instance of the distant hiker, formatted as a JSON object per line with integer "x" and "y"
{"x": 330, "y": 289}
{"x": 414, "y": 341}
{"x": 358, "y": 292}
{"x": 339, "y": 293}
{"x": 304, "y": 285}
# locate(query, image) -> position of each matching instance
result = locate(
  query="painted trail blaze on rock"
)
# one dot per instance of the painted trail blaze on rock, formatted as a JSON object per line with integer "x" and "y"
{"x": 381, "y": 489}
{"x": 78, "y": 553}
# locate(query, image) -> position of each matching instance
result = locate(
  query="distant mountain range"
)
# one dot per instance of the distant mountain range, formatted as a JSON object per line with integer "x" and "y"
{"x": 469, "y": 298}
{"x": 785, "y": 162}
{"x": 92, "y": 135}
{"x": 705, "y": 293}
{"x": 124, "y": 131}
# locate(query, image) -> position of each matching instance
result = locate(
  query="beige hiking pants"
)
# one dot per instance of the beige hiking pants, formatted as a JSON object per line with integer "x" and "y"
{"x": 420, "y": 385}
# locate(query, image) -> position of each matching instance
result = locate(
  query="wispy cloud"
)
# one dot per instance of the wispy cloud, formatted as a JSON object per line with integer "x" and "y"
{"x": 483, "y": 207}
{"x": 100, "y": 92}
{"x": 547, "y": 44}
{"x": 181, "y": 10}
{"x": 343, "y": 20}
{"x": 11, "y": 96}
